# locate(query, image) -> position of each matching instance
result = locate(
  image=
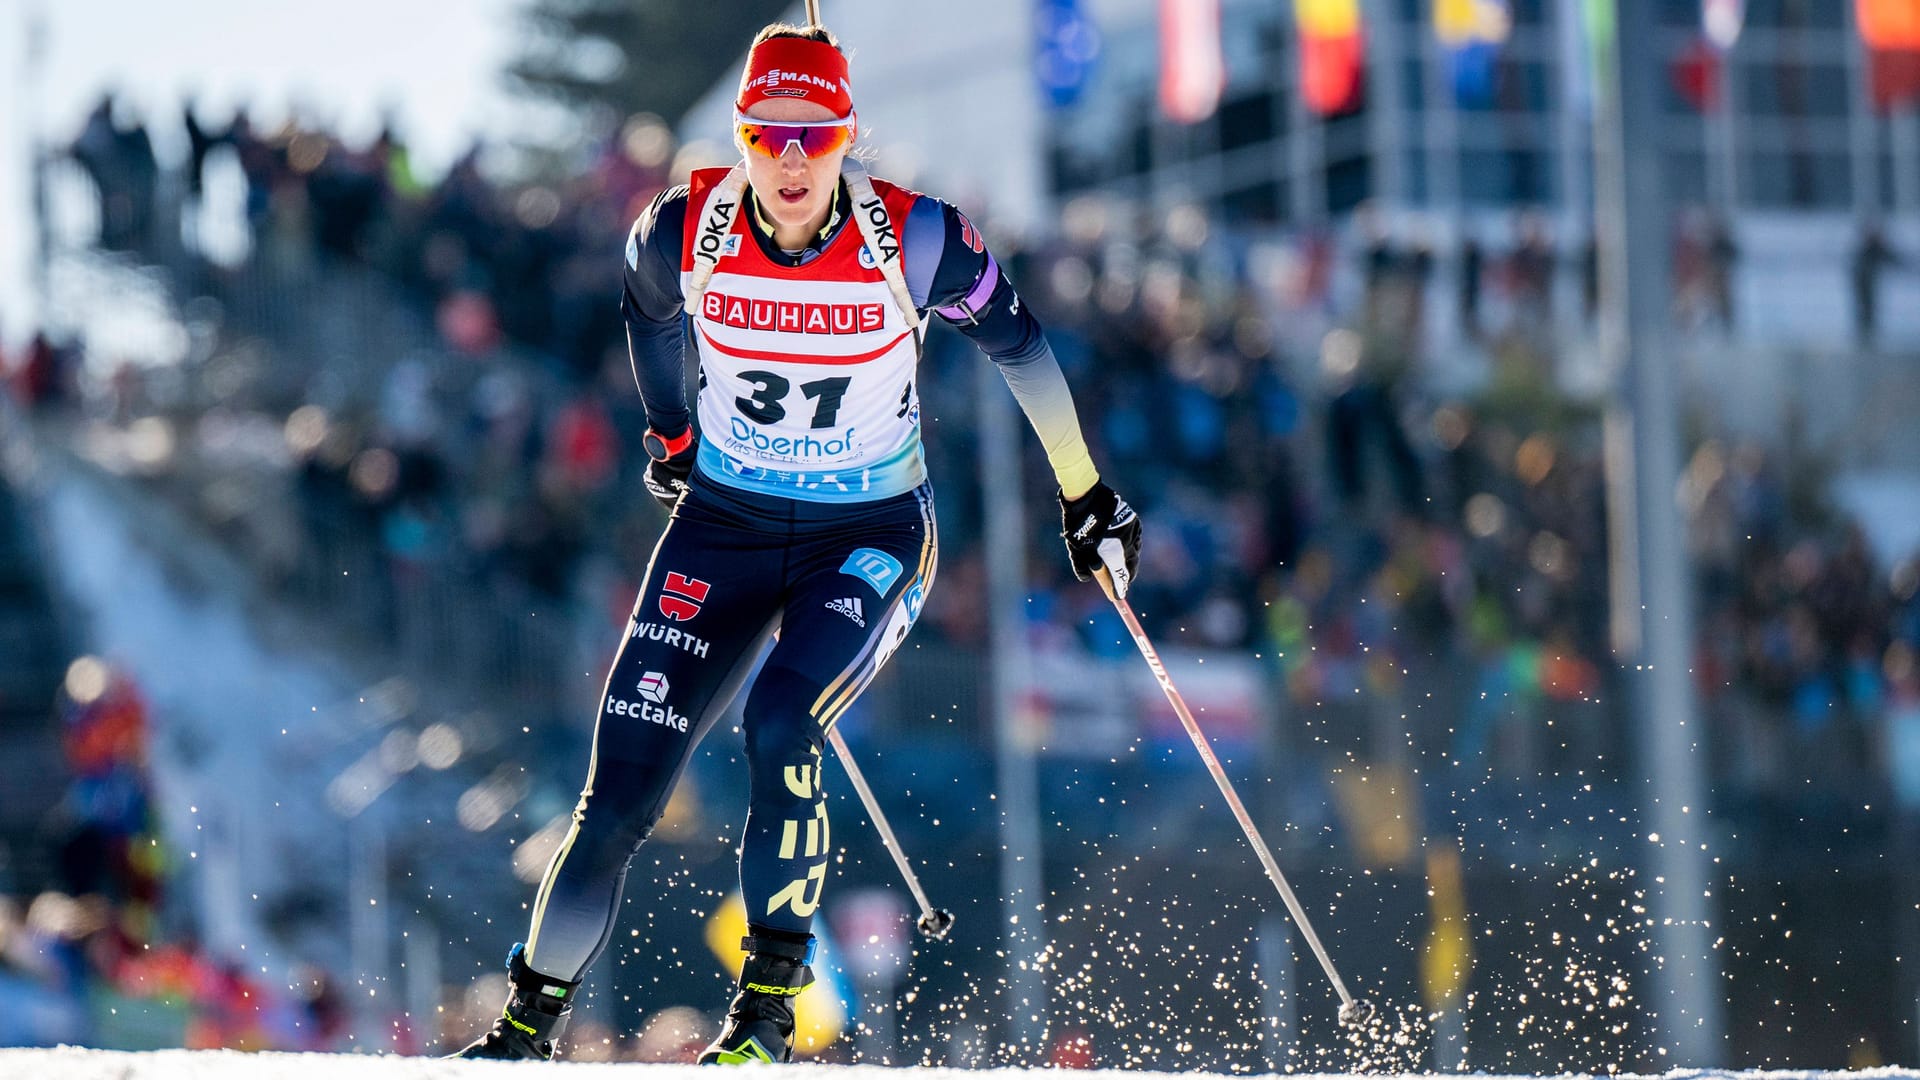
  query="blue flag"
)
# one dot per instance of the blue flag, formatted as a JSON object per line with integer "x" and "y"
{"x": 1068, "y": 46}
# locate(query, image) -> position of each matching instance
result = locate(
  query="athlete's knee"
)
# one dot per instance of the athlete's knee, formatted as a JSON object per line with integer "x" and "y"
{"x": 608, "y": 830}
{"x": 778, "y": 719}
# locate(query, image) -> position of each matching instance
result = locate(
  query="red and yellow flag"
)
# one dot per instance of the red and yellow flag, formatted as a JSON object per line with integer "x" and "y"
{"x": 1332, "y": 54}
{"x": 1891, "y": 30}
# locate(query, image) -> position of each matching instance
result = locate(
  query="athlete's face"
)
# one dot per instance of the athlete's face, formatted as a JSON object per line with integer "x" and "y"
{"x": 794, "y": 190}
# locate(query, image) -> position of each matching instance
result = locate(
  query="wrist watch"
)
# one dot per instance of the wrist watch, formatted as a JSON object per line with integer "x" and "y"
{"x": 661, "y": 448}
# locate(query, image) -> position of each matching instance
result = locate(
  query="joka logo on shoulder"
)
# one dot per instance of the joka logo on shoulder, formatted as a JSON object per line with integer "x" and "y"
{"x": 681, "y": 597}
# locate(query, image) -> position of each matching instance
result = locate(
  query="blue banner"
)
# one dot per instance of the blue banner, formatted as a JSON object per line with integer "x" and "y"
{"x": 1065, "y": 53}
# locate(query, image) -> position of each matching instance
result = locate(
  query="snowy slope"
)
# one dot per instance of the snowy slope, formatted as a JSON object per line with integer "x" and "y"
{"x": 68, "y": 1063}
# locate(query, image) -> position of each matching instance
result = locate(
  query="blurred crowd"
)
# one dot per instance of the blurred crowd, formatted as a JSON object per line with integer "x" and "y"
{"x": 1310, "y": 495}
{"x": 1405, "y": 558}
{"x": 96, "y": 959}
{"x": 528, "y": 263}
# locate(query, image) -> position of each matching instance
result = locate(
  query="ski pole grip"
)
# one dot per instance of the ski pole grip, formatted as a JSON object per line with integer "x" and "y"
{"x": 1105, "y": 578}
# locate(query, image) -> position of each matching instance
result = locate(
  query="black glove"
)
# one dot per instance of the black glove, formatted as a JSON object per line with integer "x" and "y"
{"x": 1101, "y": 530}
{"x": 671, "y": 464}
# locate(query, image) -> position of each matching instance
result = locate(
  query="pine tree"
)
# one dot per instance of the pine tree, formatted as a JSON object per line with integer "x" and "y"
{"x": 655, "y": 56}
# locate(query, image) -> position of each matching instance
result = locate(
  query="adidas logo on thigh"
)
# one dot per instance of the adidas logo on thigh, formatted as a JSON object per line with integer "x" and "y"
{"x": 851, "y": 609}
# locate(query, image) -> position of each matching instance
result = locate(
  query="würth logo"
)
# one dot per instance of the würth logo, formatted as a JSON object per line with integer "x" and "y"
{"x": 850, "y": 607}
{"x": 681, "y": 597}
{"x": 748, "y": 313}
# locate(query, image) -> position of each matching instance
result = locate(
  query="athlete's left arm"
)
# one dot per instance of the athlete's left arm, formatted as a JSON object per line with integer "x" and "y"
{"x": 950, "y": 272}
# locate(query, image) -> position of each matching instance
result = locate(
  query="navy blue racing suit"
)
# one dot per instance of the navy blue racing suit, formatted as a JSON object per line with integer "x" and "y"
{"x": 839, "y": 582}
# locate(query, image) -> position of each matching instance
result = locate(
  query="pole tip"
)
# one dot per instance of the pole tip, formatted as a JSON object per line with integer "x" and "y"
{"x": 935, "y": 924}
{"x": 1356, "y": 1013}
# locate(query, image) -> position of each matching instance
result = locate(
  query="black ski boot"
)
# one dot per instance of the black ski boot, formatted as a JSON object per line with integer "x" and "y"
{"x": 535, "y": 1015}
{"x": 760, "y": 1023}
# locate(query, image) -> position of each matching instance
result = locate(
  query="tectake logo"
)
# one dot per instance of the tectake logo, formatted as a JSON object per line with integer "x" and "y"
{"x": 653, "y": 686}
{"x": 681, "y": 597}
{"x": 664, "y": 715}
{"x": 751, "y": 313}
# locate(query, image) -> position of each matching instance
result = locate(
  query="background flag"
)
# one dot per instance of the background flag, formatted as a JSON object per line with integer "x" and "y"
{"x": 1891, "y": 29}
{"x": 1193, "y": 71}
{"x": 1721, "y": 21}
{"x": 1332, "y": 54}
{"x": 1065, "y": 53}
{"x": 1472, "y": 32}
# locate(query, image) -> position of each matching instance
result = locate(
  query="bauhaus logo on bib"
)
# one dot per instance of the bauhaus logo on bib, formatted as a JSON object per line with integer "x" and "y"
{"x": 790, "y": 317}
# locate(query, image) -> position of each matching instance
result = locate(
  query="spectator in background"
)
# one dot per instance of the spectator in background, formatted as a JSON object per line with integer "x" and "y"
{"x": 1704, "y": 253}
{"x": 1590, "y": 277}
{"x": 42, "y": 376}
{"x": 1530, "y": 274}
{"x": 1470, "y": 268}
{"x": 117, "y": 153}
{"x": 1721, "y": 255}
{"x": 200, "y": 143}
{"x": 1871, "y": 257}
{"x": 1396, "y": 282}
{"x": 1362, "y": 417}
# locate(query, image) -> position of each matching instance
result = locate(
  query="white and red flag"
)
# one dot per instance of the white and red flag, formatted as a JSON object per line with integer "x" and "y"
{"x": 1193, "y": 70}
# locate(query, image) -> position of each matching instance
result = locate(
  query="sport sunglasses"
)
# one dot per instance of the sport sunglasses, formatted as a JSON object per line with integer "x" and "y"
{"x": 816, "y": 138}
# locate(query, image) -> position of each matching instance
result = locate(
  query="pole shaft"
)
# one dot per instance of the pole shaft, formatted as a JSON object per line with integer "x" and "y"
{"x": 1226, "y": 789}
{"x": 879, "y": 819}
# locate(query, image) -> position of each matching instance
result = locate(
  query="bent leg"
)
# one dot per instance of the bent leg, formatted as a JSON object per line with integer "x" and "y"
{"x": 698, "y": 625}
{"x": 840, "y": 626}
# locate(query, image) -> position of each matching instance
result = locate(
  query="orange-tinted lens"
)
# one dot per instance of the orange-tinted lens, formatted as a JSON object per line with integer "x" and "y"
{"x": 773, "y": 139}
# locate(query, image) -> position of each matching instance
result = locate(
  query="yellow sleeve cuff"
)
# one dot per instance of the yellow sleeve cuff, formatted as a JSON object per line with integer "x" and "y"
{"x": 1075, "y": 472}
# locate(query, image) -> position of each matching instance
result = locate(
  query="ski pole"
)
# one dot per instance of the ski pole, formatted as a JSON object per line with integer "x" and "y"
{"x": 813, "y": 13}
{"x": 934, "y": 922}
{"x": 1353, "y": 1011}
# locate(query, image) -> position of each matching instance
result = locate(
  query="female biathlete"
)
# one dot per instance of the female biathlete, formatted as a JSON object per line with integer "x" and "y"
{"x": 800, "y": 506}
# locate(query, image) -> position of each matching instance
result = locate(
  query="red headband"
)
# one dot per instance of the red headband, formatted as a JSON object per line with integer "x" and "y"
{"x": 799, "y": 68}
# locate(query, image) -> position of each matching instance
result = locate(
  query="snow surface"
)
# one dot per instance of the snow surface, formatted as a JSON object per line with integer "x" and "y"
{"x": 72, "y": 1063}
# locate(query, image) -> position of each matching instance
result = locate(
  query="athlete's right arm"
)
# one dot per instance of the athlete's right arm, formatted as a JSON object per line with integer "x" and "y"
{"x": 651, "y": 304}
